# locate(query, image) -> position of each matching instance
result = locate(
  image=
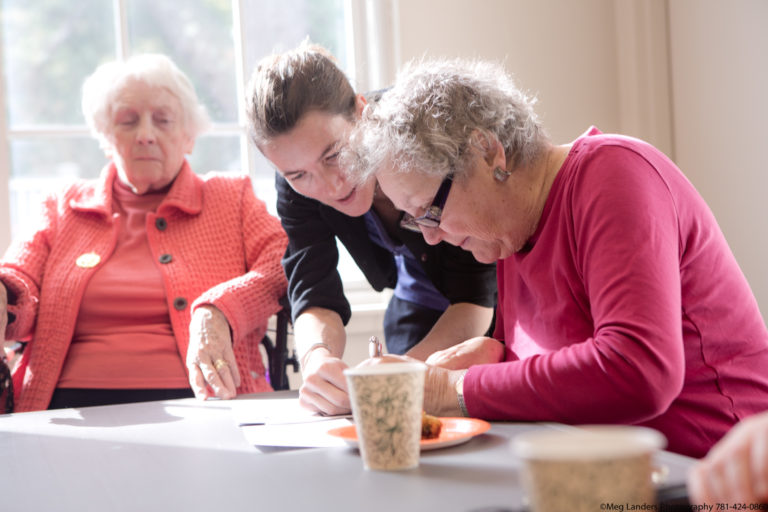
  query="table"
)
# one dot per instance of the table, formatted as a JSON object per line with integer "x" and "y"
{"x": 188, "y": 455}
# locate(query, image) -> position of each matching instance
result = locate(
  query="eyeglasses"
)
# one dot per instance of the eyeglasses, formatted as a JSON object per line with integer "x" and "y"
{"x": 431, "y": 218}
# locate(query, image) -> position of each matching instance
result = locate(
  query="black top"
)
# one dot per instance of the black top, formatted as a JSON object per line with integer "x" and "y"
{"x": 312, "y": 256}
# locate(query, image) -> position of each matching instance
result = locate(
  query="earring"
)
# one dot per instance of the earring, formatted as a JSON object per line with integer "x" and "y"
{"x": 500, "y": 174}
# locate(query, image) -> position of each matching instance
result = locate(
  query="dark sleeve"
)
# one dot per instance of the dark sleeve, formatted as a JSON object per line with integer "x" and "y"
{"x": 11, "y": 298}
{"x": 311, "y": 257}
{"x": 454, "y": 271}
{"x": 10, "y": 294}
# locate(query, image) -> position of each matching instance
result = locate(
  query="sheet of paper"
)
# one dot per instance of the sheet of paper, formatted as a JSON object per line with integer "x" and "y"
{"x": 278, "y": 411}
{"x": 297, "y": 435}
{"x": 283, "y": 422}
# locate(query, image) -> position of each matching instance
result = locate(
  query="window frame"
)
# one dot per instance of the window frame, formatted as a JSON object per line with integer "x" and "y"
{"x": 370, "y": 40}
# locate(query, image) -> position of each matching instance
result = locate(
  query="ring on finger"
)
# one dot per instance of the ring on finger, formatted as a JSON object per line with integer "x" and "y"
{"x": 219, "y": 364}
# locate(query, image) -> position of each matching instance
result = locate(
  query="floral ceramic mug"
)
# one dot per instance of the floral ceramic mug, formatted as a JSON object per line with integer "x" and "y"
{"x": 387, "y": 400}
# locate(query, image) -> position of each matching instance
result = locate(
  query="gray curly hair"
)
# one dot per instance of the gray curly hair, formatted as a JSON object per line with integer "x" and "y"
{"x": 433, "y": 114}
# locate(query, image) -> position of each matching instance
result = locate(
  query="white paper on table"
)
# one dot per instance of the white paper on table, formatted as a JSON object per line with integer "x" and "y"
{"x": 299, "y": 435}
{"x": 278, "y": 411}
{"x": 283, "y": 422}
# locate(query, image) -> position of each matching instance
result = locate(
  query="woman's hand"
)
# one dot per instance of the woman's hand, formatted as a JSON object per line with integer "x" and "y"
{"x": 736, "y": 469}
{"x": 324, "y": 386}
{"x": 440, "y": 397}
{"x": 210, "y": 359}
{"x": 320, "y": 338}
{"x": 479, "y": 350}
{"x": 459, "y": 322}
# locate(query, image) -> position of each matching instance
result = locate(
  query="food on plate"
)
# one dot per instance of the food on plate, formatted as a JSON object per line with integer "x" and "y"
{"x": 430, "y": 426}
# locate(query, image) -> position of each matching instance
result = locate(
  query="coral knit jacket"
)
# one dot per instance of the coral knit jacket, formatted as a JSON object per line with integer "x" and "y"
{"x": 224, "y": 249}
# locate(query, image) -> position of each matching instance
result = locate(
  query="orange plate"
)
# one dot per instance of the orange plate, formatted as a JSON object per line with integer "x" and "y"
{"x": 455, "y": 431}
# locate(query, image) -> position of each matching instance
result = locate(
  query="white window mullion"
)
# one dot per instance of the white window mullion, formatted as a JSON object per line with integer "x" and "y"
{"x": 247, "y": 157}
{"x": 355, "y": 28}
{"x": 374, "y": 42}
{"x": 121, "y": 29}
{"x": 5, "y": 164}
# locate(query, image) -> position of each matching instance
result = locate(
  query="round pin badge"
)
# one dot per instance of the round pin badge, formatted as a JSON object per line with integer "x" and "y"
{"x": 88, "y": 260}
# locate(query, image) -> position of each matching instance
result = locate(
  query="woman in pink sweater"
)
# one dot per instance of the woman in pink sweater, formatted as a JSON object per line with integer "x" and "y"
{"x": 619, "y": 299}
{"x": 150, "y": 282}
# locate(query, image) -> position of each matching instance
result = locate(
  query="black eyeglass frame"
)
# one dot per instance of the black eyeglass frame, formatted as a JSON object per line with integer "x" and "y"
{"x": 434, "y": 213}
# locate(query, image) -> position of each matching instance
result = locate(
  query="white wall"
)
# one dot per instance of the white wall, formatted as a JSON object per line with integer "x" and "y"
{"x": 719, "y": 56}
{"x": 690, "y": 76}
{"x": 560, "y": 50}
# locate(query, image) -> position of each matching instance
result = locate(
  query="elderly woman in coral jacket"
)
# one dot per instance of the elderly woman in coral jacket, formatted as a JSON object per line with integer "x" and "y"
{"x": 150, "y": 282}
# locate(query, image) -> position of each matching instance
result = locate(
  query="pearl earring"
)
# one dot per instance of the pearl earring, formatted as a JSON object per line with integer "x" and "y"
{"x": 500, "y": 174}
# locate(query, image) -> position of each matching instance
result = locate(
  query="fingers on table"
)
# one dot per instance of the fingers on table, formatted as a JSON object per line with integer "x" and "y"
{"x": 759, "y": 467}
{"x": 721, "y": 481}
{"x": 222, "y": 376}
{"x": 318, "y": 403}
{"x": 737, "y": 479}
{"x": 197, "y": 381}
{"x": 218, "y": 375}
{"x": 234, "y": 371}
{"x": 318, "y": 394}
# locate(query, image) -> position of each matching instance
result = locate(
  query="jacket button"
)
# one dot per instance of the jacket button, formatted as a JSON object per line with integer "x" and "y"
{"x": 165, "y": 258}
{"x": 179, "y": 303}
{"x": 424, "y": 257}
{"x": 161, "y": 224}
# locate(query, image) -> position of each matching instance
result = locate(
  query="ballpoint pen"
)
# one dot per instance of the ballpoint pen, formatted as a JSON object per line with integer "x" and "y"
{"x": 374, "y": 347}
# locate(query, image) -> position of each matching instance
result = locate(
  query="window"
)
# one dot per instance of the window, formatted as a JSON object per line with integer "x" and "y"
{"x": 49, "y": 47}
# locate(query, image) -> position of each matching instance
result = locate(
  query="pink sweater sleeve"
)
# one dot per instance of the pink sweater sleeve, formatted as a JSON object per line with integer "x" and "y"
{"x": 594, "y": 307}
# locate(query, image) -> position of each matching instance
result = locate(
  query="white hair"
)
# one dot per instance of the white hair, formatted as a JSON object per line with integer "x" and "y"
{"x": 438, "y": 109}
{"x": 100, "y": 88}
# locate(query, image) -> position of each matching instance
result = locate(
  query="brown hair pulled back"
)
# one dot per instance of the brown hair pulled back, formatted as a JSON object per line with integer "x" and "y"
{"x": 286, "y": 86}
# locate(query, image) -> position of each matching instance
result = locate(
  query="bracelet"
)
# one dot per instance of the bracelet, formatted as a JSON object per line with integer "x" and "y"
{"x": 310, "y": 349}
{"x": 460, "y": 395}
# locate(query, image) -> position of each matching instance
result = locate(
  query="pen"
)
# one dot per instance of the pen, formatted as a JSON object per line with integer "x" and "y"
{"x": 374, "y": 347}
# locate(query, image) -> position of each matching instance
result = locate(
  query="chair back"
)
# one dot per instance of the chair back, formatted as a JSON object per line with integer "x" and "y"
{"x": 278, "y": 356}
{"x": 6, "y": 385}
